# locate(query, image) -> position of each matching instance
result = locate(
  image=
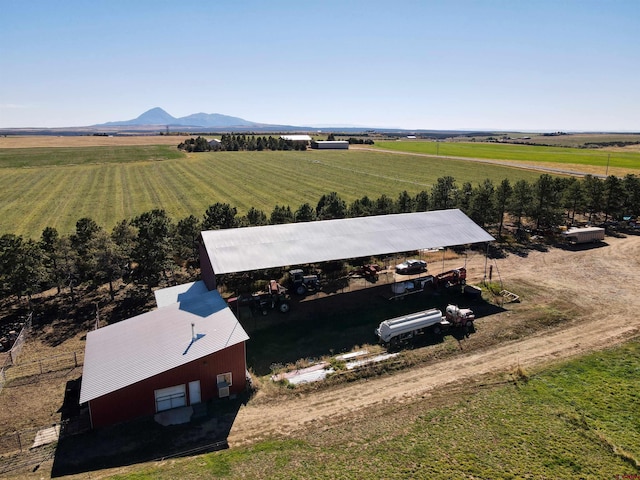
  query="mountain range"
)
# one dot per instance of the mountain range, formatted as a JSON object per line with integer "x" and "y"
{"x": 159, "y": 117}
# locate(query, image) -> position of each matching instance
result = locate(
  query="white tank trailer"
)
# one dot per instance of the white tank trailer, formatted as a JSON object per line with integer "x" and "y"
{"x": 403, "y": 328}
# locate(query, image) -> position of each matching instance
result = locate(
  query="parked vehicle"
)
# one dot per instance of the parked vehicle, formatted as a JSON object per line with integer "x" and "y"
{"x": 577, "y": 235}
{"x": 411, "y": 266}
{"x": 301, "y": 283}
{"x": 400, "y": 329}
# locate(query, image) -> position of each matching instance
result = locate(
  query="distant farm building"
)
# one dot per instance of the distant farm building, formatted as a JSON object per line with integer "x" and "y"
{"x": 296, "y": 138}
{"x": 190, "y": 350}
{"x": 215, "y": 144}
{"x": 330, "y": 144}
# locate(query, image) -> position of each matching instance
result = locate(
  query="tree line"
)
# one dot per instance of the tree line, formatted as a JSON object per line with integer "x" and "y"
{"x": 235, "y": 143}
{"x": 148, "y": 248}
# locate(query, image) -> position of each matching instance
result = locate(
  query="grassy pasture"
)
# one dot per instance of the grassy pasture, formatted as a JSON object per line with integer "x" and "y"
{"x": 576, "y": 420}
{"x": 521, "y": 153}
{"x": 62, "y": 185}
{"x": 579, "y": 139}
{"x": 58, "y": 156}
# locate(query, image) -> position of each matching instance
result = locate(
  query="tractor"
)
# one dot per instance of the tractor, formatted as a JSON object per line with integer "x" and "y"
{"x": 276, "y": 298}
{"x": 301, "y": 283}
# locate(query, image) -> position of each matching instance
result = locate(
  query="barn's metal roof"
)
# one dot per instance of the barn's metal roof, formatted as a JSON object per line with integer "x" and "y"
{"x": 296, "y": 138}
{"x": 255, "y": 248}
{"x": 133, "y": 350}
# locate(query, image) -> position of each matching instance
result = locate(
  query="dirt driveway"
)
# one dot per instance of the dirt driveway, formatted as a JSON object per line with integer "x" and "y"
{"x": 600, "y": 282}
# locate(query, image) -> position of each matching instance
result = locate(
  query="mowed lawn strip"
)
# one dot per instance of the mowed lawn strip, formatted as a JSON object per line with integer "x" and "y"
{"x": 524, "y": 153}
{"x": 576, "y": 420}
{"x": 57, "y": 196}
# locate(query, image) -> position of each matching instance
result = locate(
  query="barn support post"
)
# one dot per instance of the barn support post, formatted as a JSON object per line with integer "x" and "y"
{"x": 486, "y": 257}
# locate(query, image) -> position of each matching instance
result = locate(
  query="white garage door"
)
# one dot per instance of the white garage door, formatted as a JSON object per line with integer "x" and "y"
{"x": 172, "y": 397}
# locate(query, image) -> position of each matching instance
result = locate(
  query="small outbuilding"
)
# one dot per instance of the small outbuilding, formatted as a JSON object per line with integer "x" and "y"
{"x": 190, "y": 350}
{"x": 330, "y": 144}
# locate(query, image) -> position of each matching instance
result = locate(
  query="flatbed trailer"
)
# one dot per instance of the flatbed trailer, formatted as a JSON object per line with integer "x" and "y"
{"x": 410, "y": 287}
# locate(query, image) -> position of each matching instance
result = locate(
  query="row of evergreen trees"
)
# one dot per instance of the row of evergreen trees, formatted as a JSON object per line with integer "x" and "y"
{"x": 235, "y": 143}
{"x": 149, "y": 247}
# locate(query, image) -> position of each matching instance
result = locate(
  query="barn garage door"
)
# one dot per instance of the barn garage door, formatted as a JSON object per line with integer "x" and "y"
{"x": 172, "y": 397}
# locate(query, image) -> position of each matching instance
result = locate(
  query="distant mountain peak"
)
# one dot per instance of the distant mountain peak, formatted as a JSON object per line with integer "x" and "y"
{"x": 158, "y": 116}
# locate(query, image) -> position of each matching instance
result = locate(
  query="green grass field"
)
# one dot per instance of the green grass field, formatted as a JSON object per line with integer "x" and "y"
{"x": 576, "y": 420}
{"x": 109, "y": 184}
{"x": 52, "y": 157}
{"x": 522, "y": 153}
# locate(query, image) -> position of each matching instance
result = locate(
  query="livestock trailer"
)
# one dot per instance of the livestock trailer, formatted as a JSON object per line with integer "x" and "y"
{"x": 584, "y": 234}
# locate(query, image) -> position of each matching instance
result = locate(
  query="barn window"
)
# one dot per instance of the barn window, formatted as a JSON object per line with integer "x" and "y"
{"x": 172, "y": 397}
{"x": 225, "y": 378}
{"x": 224, "y": 382}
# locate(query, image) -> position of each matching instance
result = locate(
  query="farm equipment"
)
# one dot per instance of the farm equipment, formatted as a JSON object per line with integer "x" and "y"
{"x": 457, "y": 276}
{"x": 301, "y": 283}
{"x": 275, "y": 298}
{"x": 401, "y": 329}
{"x": 369, "y": 271}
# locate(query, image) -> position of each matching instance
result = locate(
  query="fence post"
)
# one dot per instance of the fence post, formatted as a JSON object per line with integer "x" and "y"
{"x": 75, "y": 359}
{"x": 19, "y": 442}
{"x": 40, "y": 363}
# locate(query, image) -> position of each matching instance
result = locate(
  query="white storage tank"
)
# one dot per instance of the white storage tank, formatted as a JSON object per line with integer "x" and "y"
{"x": 407, "y": 324}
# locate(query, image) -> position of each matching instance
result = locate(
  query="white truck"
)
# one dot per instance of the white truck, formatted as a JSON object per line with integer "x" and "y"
{"x": 401, "y": 329}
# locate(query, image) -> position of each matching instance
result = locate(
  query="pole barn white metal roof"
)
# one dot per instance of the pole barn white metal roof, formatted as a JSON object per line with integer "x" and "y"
{"x": 255, "y": 248}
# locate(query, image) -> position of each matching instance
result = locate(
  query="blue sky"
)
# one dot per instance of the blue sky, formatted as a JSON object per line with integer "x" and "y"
{"x": 570, "y": 65}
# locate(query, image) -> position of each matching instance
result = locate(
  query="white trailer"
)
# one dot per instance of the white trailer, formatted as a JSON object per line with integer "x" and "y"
{"x": 409, "y": 287}
{"x": 403, "y": 328}
{"x": 584, "y": 234}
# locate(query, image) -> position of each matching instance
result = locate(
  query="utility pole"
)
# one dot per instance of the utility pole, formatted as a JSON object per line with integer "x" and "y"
{"x": 606, "y": 173}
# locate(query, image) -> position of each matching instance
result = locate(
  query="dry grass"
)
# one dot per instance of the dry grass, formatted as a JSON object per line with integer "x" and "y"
{"x": 37, "y": 141}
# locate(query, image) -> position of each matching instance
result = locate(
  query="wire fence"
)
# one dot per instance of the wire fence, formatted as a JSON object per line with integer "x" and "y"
{"x": 31, "y": 446}
{"x": 56, "y": 363}
{"x": 12, "y": 357}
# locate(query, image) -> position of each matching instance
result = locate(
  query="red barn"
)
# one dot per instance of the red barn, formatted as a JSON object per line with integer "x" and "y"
{"x": 190, "y": 350}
